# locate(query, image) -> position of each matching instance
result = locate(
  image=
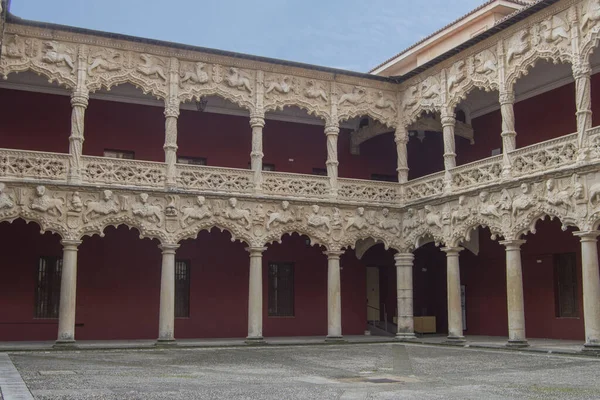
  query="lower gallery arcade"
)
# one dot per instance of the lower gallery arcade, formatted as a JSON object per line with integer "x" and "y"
{"x": 224, "y": 289}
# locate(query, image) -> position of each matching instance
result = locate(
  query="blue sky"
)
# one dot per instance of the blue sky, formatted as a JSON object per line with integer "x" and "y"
{"x": 349, "y": 34}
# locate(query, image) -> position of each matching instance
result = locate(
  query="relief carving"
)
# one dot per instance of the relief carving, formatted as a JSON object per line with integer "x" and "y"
{"x": 196, "y": 212}
{"x": 283, "y": 216}
{"x": 358, "y": 221}
{"x": 239, "y": 215}
{"x": 150, "y": 212}
{"x": 59, "y": 55}
{"x": 238, "y": 79}
{"x": 282, "y": 87}
{"x": 385, "y": 102}
{"x": 5, "y": 200}
{"x": 353, "y": 97}
{"x": 104, "y": 60}
{"x": 45, "y": 203}
{"x": 316, "y": 220}
{"x": 518, "y": 45}
{"x": 591, "y": 14}
{"x": 105, "y": 206}
{"x": 193, "y": 74}
{"x": 152, "y": 67}
{"x": 315, "y": 91}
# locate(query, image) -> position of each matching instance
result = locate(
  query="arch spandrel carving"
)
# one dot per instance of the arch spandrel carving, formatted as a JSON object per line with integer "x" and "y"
{"x": 549, "y": 39}
{"x": 478, "y": 71}
{"x": 311, "y": 95}
{"x": 50, "y": 58}
{"x": 198, "y": 79}
{"x": 589, "y": 23}
{"x": 107, "y": 67}
{"x": 423, "y": 95}
{"x": 355, "y": 101}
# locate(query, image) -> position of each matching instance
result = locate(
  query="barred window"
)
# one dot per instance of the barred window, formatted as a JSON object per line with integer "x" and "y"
{"x": 182, "y": 289}
{"x": 47, "y": 291}
{"x": 565, "y": 285}
{"x": 281, "y": 290}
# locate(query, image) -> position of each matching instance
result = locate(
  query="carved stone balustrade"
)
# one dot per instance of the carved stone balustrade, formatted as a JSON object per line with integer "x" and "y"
{"x": 114, "y": 171}
{"x": 369, "y": 191}
{"x": 214, "y": 179}
{"x": 424, "y": 187}
{"x": 296, "y": 185}
{"x": 26, "y": 165}
{"x": 540, "y": 157}
{"x": 478, "y": 173}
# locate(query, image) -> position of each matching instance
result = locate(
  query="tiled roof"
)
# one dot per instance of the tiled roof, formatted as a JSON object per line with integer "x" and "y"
{"x": 524, "y": 4}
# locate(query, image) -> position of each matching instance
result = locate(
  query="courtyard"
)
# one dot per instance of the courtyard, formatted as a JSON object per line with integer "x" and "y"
{"x": 350, "y": 371}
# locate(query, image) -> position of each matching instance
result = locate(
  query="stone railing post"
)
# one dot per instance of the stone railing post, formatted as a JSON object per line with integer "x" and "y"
{"x": 257, "y": 122}
{"x": 332, "y": 132}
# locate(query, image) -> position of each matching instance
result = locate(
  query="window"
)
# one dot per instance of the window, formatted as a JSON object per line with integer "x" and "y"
{"x": 47, "y": 290}
{"x": 125, "y": 154}
{"x": 320, "y": 171}
{"x": 191, "y": 160}
{"x": 281, "y": 290}
{"x": 384, "y": 178}
{"x": 182, "y": 289}
{"x": 565, "y": 285}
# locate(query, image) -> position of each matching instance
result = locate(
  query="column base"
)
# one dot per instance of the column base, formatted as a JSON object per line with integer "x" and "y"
{"x": 456, "y": 340}
{"x": 65, "y": 344}
{"x": 517, "y": 343}
{"x": 335, "y": 339}
{"x": 165, "y": 343}
{"x": 405, "y": 337}
{"x": 255, "y": 341}
{"x": 591, "y": 348}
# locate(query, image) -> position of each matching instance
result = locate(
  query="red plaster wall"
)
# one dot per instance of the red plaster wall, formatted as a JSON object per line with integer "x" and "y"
{"x": 35, "y": 121}
{"x": 118, "y": 287}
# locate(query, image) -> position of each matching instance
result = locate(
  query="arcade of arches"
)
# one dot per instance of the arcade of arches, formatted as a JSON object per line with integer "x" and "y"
{"x": 145, "y": 195}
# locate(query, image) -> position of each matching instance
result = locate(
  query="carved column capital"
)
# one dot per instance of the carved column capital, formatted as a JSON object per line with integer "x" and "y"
{"x": 172, "y": 108}
{"x": 514, "y": 244}
{"x": 255, "y": 251}
{"x": 80, "y": 98}
{"x": 404, "y": 259}
{"x": 452, "y": 251}
{"x": 587, "y": 236}
{"x": 70, "y": 244}
{"x": 332, "y": 129}
{"x": 448, "y": 120}
{"x": 168, "y": 248}
{"x": 582, "y": 69}
{"x": 333, "y": 254}
{"x": 257, "y": 122}
{"x": 507, "y": 97}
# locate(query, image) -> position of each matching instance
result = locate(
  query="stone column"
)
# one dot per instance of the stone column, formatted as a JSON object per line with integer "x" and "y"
{"x": 401, "y": 139}
{"x": 68, "y": 293}
{"x": 255, "y": 296}
{"x": 590, "y": 277}
{"x": 334, "y": 296}
{"x": 79, "y": 103}
{"x": 404, "y": 290}
{"x": 257, "y": 122}
{"x": 507, "y": 101}
{"x": 166, "y": 319}
{"x": 448, "y": 124}
{"x": 332, "y": 131}
{"x": 170, "y": 146}
{"x": 514, "y": 294}
{"x": 455, "y": 322}
{"x": 582, "y": 73}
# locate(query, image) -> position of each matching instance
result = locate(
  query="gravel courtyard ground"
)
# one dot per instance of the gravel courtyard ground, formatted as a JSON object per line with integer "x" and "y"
{"x": 369, "y": 371}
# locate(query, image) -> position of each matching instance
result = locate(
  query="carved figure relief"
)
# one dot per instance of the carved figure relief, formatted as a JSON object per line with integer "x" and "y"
{"x": 410, "y": 98}
{"x": 240, "y": 215}
{"x": 456, "y": 75}
{"x": 590, "y": 14}
{"x": 283, "y": 216}
{"x": 315, "y": 91}
{"x": 518, "y": 45}
{"x": 238, "y": 79}
{"x": 433, "y": 218}
{"x": 358, "y": 221}
{"x": 318, "y": 221}
{"x": 76, "y": 205}
{"x": 523, "y": 201}
{"x": 485, "y": 63}
{"x": 385, "y": 102}
{"x": 554, "y": 30}
{"x": 150, "y": 212}
{"x": 151, "y": 67}
{"x": 44, "y": 203}
{"x": 557, "y": 197}
{"x": 461, "y": 213}
{"x": 390, "y": 224}
{"x": 353, "y": 97}
{"x": 431, "y": 89}
{"x": 104, "y": 60}
{"x": 195, "y": 74}
{"x": 60, "y": 55}
{"x": 282, "y": 87}
{"x": 5, "y": 200}
{"x": 105, "y": 206}
{"x": 197, "y": 212}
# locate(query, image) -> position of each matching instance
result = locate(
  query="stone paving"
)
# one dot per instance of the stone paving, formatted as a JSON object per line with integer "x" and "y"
{"x": 354, "y": 371}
